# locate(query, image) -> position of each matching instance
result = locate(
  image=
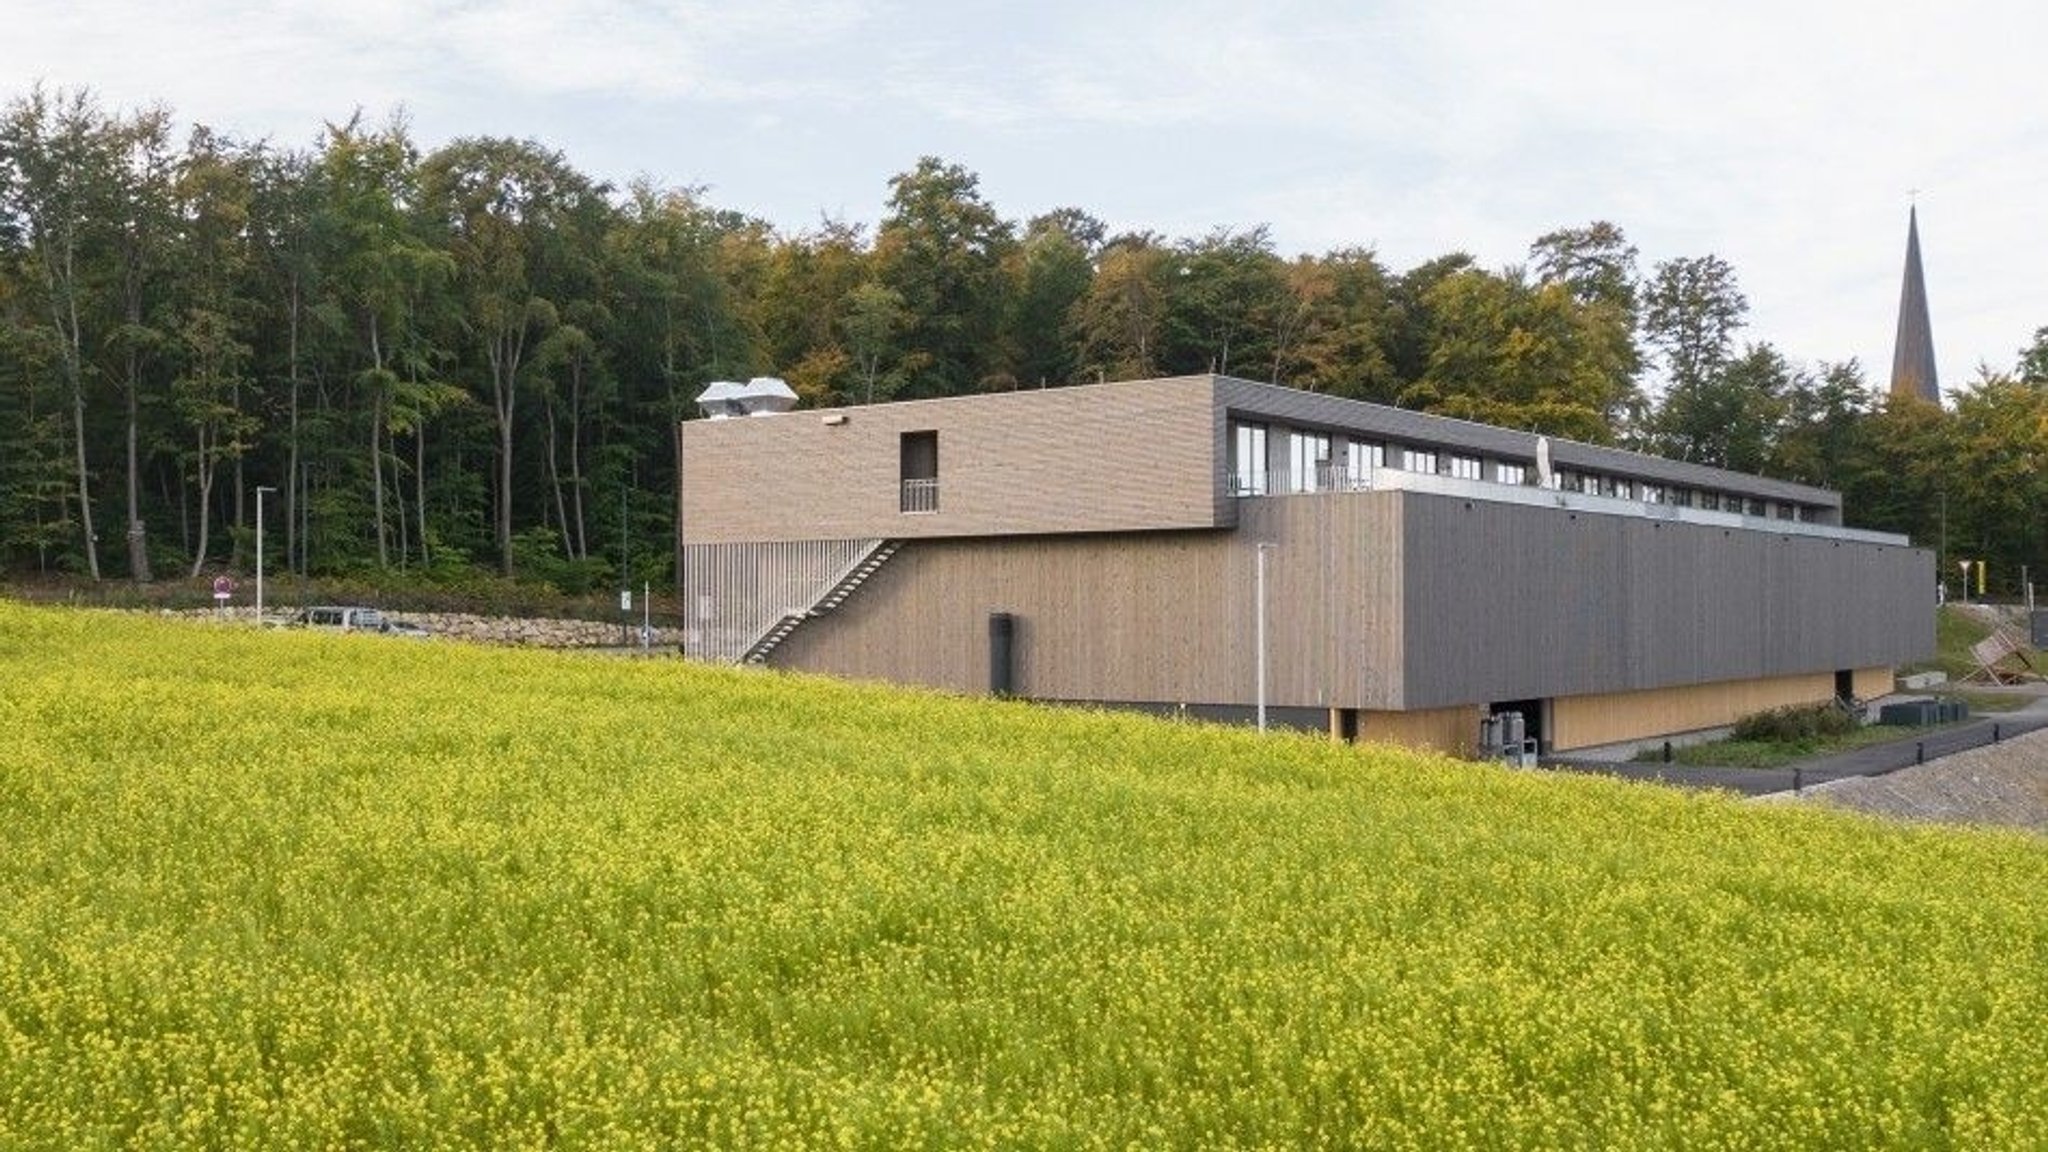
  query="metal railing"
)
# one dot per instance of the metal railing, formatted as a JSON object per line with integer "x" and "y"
{"x": 920, "y": 496}
{"x": 1289, "y": 482}
{"x": 735, "y": 593}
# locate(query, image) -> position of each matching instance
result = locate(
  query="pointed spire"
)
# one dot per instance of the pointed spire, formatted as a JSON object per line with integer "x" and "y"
{"x": 1913, "y": 353}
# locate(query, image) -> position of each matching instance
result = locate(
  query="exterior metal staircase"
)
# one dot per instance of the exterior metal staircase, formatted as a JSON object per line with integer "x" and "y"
{"x": 835, "y": 594}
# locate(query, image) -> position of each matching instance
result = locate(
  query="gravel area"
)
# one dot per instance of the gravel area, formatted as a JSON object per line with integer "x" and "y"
{"x": 2001, "y": 784}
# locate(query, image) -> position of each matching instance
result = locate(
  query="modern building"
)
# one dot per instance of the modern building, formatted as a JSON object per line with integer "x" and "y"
{"x": 1913, "y": 350}
{"x": 1404, "y": 577}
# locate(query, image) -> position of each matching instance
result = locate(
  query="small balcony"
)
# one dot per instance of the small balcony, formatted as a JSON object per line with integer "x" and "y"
{"x": 919, "y": 496}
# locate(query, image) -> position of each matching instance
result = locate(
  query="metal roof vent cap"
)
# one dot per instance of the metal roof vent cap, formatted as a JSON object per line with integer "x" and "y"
{"x": 766, "y": 395}
{"x": 722, "y": 399}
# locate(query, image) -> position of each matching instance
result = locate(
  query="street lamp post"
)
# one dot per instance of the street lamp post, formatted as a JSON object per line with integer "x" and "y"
{"x": 260, "y": 490}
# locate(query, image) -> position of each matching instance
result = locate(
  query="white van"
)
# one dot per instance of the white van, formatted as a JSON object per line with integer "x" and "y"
{"x": 342, "y": 619}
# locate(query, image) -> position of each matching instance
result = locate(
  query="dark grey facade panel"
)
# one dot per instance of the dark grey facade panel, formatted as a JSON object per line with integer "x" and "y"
{"x": 1506, "y": 602}
{"x": 1311, "y": 409}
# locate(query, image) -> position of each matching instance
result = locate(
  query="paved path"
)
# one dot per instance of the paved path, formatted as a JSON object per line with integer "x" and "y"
{"x": 1870, "y": 760}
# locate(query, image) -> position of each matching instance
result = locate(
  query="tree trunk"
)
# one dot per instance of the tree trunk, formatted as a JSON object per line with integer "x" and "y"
{"x": 419, "y": 487}
{"x": 504, "y": 349}
{"x": 138, "y": 535}
{"x": 74, "y": 367}
{"x": 555, "y": 482}
{"x": 398, "y": 508}
{"x": 576, "y": 458}
{"x": 241, "y": 520}
{"x": 92, "y": 552}
{"x": 205, "y": 477}
{"x": 377, "y": 401}
{"x": 675, "y": 434}
{"x": 292, "y": 482}
{"x": 505, "y": 496}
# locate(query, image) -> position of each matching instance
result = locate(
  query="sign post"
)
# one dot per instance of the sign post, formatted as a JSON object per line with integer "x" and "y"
{"x": 223, "y": 587}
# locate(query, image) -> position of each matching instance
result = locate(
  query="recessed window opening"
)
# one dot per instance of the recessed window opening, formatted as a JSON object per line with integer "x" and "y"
{"x": 920, "y": 472}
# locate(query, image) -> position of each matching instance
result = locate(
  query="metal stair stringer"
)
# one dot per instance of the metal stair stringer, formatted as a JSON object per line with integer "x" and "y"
{"x": 835, "y": 594}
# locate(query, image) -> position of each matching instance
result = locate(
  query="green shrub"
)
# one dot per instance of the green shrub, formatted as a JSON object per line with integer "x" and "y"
{"x": 1796, "y": 724}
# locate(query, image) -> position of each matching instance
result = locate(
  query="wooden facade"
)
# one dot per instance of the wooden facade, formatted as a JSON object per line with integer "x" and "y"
{"x": 1619, "y": 717}
{"x": 1098, "y": 523}
{"x": 1137, "y": 456}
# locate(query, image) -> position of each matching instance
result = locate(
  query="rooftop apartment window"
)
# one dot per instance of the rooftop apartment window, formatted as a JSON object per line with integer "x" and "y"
{"x": 1248, "y": 459}
{"x": 1361, "y": 460}
{"x": 1506, "y": 473}
{"x": 1418, "y": 460}
{"x": 1308, "y": 456}
{"x": 1464, "y": 467}
{"x": 920, "y": 472}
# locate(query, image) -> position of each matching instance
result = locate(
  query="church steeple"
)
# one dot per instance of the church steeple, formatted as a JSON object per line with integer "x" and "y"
{"x": 1913, "y": 353}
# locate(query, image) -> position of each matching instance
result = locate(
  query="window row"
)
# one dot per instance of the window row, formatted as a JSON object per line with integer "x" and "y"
{"x": 1270, "y": 461}
{"x": 1267, "y": 461}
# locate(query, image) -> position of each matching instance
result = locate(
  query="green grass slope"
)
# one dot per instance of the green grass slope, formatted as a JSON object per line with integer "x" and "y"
{"x": 278, "y": 890}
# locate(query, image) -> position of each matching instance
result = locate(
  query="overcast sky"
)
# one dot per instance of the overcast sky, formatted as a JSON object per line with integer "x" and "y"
{"x": 1784, "y": 137}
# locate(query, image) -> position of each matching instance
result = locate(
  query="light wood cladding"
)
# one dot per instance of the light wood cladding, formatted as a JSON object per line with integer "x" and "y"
{"x": 1591, "y": 721}
{"x": 1138, "y": 456}
{"x": 1161, "y": 617}
{"x": 1870, "y": 683}
{"x": 1453, "y": 730}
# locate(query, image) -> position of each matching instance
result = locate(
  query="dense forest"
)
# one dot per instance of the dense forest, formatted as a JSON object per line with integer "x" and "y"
{"x": 474, "y": 358}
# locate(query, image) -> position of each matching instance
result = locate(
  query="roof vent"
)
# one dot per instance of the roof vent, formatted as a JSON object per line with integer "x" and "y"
{"x": 766, "y": 395}
{"x": 761, "y": 396}
{"x": 721, "y": 399}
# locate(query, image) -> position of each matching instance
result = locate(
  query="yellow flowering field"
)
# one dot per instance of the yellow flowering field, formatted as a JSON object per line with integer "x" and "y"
{"x": 281, "y": 890}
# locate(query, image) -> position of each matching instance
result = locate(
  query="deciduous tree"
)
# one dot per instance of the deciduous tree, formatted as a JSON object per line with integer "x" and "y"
{"x": 941, "y": 249}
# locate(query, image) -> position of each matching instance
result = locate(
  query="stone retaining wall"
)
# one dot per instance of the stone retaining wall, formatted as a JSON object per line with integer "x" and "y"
{"x": 507, "y": 630}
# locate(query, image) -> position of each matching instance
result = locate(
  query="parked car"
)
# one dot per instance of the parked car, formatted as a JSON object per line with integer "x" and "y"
{"x": 406, "y": 628}
{"x": 341, "y": 619}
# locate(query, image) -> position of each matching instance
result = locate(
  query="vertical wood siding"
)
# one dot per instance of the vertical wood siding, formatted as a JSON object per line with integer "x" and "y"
{"x": 1158, "y": 617}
